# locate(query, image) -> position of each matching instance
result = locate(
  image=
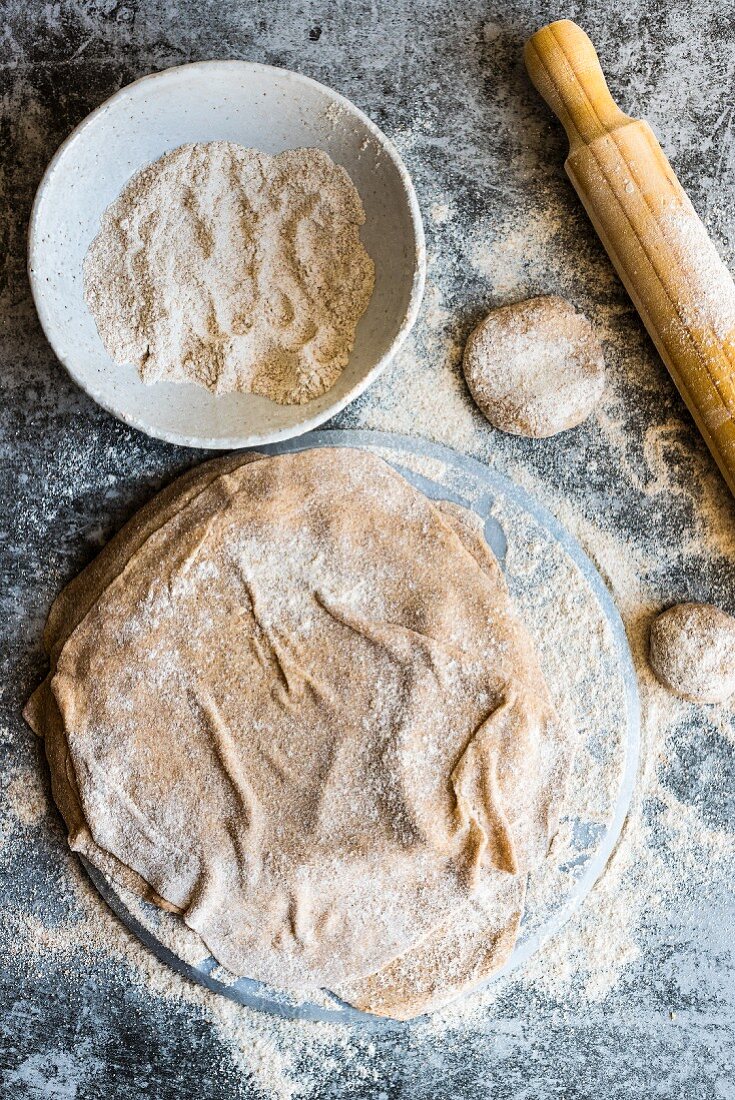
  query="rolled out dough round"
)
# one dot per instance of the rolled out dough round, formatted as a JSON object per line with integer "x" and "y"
{"x": 292, "y": 703}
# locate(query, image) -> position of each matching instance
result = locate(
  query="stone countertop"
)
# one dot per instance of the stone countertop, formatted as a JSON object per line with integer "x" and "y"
{"x": 446, "y": 83}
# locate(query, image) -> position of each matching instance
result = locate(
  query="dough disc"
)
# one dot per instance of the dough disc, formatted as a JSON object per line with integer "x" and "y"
{"x": 291, "y": 702}
{"x": 535, "y": 368}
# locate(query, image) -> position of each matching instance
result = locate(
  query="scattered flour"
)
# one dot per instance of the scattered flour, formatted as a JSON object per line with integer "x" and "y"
{"x": 27, "y": 799}
{"x": 440, "y": 212}
{"x": 711, "y": 292}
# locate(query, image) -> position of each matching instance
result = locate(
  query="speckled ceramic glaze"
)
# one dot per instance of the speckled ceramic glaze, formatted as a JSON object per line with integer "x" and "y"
{"x": 261, "y": 107}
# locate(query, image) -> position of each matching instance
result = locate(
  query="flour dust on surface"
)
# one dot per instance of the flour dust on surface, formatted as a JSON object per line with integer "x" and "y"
{"x": 650, "y": 951}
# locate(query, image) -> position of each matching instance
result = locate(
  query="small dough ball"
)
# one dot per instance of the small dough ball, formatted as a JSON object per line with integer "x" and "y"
{"x": 692, "y": 650}
{"x": 535, "y": 368}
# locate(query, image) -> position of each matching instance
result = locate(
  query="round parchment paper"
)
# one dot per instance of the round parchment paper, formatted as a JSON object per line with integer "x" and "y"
{"x": 583, "y": 650}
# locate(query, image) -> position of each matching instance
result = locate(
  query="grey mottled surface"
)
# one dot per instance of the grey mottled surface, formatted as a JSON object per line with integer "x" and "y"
{"x": 446, "y": 81}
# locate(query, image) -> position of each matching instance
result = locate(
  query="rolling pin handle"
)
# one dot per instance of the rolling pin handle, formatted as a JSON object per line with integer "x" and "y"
{"x": 564, "y": 67}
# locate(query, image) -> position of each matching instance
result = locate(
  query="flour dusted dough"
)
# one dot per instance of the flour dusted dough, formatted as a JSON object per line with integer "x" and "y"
{"x": 535, "y": 368}
{"x": 692, "y": 648}
{"x": 291, "y": 702}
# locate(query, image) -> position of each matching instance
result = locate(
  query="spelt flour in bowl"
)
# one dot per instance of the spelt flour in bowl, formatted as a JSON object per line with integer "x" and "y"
{"x": 233, "y": 269}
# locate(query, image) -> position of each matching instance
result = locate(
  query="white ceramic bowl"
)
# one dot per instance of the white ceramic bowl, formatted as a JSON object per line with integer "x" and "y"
{"x": 260, "y": 107}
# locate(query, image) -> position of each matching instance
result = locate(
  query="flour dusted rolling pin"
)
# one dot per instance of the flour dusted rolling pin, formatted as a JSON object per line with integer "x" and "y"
{"x": 659, "y": 246}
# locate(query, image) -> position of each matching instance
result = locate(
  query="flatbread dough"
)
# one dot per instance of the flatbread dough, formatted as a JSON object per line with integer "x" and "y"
{"x": 291, "y": 702}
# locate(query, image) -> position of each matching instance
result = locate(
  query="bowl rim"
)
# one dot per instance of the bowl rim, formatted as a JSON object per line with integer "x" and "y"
{"x": 253, "y": 438}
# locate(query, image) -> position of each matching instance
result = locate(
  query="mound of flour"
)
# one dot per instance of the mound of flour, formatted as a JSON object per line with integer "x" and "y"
{"x": 233, "y": 269}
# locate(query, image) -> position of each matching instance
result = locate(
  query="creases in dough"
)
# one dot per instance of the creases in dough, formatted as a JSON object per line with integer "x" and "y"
{"x": 381, "y": 772}
{"x": 294, "y": 679}
{"x": 224, "y": 746}
{"x": 396, "y": 638}
{"x": 480, "y": 807}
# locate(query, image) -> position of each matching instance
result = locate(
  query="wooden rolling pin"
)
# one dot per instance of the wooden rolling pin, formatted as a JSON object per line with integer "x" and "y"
{"x": 659, "y": 246}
